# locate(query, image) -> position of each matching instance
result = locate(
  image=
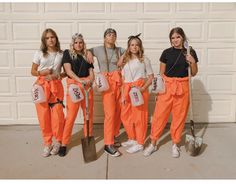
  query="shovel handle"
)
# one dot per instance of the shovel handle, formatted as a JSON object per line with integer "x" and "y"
{"x": 190, "y": 103}
{"x": 192, "y": 128}
{"x": 87, "y": 106}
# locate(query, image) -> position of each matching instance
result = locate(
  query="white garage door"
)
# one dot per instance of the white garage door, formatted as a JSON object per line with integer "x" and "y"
{"x": 211, "y": 28}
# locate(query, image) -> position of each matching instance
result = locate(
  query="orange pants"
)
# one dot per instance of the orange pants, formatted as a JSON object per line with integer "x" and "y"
{"x": 176, "y": 101}
{"x": 72, "y": 110}
{"x": 51, "y": 120}
{"x": 111, "y": 106}
{"x": 135, "y": 119}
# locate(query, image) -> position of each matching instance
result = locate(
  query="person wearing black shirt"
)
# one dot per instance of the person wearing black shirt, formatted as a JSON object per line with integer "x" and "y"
{"x": 174, "y": 63}
{"x": 78, "y": 71}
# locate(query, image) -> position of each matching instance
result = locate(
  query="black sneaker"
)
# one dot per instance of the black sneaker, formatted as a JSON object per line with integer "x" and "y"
{"x": 117, "y": 142}
{"x": 111, "y": 150}
{"x": 62, "y": 151}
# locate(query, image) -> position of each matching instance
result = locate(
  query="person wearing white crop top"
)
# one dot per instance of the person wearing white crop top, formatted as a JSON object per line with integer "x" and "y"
{"x": 136, "y": 72}
{"x": 47, "y": 67}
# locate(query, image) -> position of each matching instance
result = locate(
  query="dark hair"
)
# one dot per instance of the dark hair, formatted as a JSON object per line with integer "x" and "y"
{"x": 179, "y": 31}
{"x": 109, "y": 30}
{"x": 43, "y": 46}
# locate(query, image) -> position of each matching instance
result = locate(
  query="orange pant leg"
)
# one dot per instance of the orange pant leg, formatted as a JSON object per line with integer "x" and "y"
{"x": 179, "y": 114}
{"x": 109, "y": 107}
{"x": 140, "y": 118}
{"x": 57, "y": 121}
{"x": 57, "y": 114}
{"x": 161, "y": 114}
{"x": 44, "y": 117}
{"x": 71, "y": 114}
{"x": 126, "y": 110}
{"x": 118, "y": 110}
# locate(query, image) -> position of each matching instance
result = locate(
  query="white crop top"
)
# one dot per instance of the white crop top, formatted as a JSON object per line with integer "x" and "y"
{"x": 51, "y": 61}
{"x": 135, "y": 69}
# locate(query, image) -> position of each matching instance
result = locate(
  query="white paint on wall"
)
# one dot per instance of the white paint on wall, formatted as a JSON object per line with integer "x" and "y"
{"x": 211, "y": 28}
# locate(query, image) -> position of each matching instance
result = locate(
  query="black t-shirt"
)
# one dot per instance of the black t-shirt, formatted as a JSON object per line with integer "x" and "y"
{"x": 179, "y": 68}
{"x": 79, "y": 66}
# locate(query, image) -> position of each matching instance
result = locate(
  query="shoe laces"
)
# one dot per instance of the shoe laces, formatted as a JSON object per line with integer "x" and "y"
{"x": 57, "y": 145}
{"x": 175, "y": 148}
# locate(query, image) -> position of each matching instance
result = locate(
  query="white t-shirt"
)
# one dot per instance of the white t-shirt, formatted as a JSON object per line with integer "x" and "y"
{"x": 135, "y": 69}
{"x": 52, "y": 61}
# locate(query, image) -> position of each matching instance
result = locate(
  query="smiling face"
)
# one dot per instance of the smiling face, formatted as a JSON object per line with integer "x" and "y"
{"x": 78, "y": 45}
{"x": 176, "y": 40}
{"x": 134, "y": 47}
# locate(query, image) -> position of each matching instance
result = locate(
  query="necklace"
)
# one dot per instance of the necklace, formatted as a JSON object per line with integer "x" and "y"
{"x": 115, "y": 49}
{"x": 108, "y": 60}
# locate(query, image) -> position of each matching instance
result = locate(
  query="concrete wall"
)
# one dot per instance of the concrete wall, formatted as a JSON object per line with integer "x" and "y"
{"x": 211, "y": 28}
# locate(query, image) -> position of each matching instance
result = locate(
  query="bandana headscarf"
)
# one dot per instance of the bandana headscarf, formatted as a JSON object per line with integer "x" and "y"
{"x": 109, "y": 30}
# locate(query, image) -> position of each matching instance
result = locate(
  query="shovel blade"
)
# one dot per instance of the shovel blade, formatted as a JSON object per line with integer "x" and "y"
{"x": 89, "y": 149}
{"x": 193, "y": 144}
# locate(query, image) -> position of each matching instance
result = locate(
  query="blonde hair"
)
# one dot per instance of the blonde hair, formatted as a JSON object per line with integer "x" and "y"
{"x": 128, "y": 54}
{"x": 72, "y": 51}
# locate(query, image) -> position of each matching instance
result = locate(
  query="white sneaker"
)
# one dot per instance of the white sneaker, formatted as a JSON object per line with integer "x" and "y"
{"x": 130, "y": 142}
{"x": 175, "y": 151}
{"x": 55, "y": 148}
{"x": 149, "y": 150}
{"x": 46, "y": 151}
{"x": 135, "y": 148}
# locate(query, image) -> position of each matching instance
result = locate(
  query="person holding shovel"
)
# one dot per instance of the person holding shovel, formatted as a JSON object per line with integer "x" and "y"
{"x": 137, "y": 74}
{"x": 174, "y": 63}
{"x": 46, "y": 67}
{"x": 108, "y": 56}
{"x": 79, "y": 72}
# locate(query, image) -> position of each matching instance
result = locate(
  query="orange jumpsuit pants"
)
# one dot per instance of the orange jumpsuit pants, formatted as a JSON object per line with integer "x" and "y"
{"x": 112, "y": 106}
{"x": 176, "y": 101}
{"x": 72, "y": 110}
{"x": 135, "y": 119}
{"x": 51, "y": 120}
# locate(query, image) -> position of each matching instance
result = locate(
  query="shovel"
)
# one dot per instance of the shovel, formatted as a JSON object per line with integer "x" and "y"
{"x": 193, "y": 143}
{"x": 88, "y": 143}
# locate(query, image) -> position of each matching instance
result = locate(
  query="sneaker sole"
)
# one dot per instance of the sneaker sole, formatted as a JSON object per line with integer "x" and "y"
{"x": 134, "y": 152}
{"x": 128, "y": 145}
{"x": 114, "y": 155}
{"x": 46, "y": 155}
{"x": 53, "y": 153}
{"x": 147, "y": 155}
{"x": 175, "y": 156}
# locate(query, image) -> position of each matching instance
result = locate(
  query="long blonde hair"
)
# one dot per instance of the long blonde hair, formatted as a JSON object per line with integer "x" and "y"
{"x": 128, "y": 54}
{"x": 72, "y": 51}
{"x": 44, "y": 47}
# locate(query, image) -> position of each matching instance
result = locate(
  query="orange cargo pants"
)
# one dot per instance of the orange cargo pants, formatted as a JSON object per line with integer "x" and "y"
{"x": 72, "y": 110}
{"x": 51, "y": 120}
{"x": 176, "y": 101}
{"x": 112, "y": 107}
{"x": 135, "y": 119}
